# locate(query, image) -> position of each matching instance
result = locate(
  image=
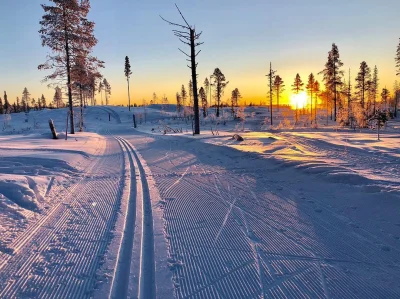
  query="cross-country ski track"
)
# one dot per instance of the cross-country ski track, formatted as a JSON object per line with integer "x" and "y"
{"x": 159, "y": 216}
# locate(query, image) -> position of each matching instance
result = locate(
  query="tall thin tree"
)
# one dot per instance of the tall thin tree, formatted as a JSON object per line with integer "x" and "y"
{"x": 271, "y": 79}
{"x": 279, "y": 88}
{"x": 310, "y": 89}
{"x": 297, "y": 87}
{"x": 128, "y": 74}
{"x": 184, "y": 97}
{"x": 362, "y": 79}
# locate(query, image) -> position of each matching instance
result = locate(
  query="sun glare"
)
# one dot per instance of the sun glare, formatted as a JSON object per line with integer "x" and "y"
{"x": 298, "y": 100}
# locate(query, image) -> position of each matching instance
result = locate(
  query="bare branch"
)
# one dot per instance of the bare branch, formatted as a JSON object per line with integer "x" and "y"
{"x": 182, "y": 16}
{"x": 198, "y": 35}
{"x": 184, "y": 42}
{"x": 174, "y": 24}
{"x": 185, "y": 37}
{"x": 181, "y": 32}
{"x": 198, "y": 44}
{"x": 197, "y": 53}
{"x": 184, "y": 52}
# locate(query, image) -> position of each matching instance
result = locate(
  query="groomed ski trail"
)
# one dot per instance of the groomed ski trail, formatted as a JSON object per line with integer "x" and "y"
{"x": 139, "y": 211}
{"x": 59, "y": 257}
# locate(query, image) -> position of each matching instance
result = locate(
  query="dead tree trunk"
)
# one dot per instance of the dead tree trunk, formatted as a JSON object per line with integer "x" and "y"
{"x": 191, "y": 37}
{"x": 53, "y": 129}
{"x": 194, "y": 80}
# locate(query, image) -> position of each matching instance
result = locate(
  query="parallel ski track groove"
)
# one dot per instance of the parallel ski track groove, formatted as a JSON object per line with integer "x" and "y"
{"x": 147, "y": 288}
{"x": 120, "y": 283}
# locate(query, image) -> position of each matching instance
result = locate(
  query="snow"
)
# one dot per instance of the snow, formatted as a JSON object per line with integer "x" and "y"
{"x": 291, "y": 211}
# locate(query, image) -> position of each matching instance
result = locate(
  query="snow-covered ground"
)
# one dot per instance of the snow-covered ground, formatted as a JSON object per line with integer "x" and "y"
{"x": 290, "y": 212}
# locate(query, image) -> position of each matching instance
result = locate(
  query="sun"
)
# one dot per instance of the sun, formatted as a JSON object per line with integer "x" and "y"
{"x": 298, "y": 100}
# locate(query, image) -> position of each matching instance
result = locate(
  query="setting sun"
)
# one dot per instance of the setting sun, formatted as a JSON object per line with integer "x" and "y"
{"x": 298, "y": 100}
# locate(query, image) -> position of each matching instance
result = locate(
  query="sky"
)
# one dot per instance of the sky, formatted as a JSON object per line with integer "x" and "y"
{"x": 240, "y": 37}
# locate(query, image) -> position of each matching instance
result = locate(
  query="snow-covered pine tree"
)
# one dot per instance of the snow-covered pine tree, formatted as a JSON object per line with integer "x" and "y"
{"x": 68, "y": 33}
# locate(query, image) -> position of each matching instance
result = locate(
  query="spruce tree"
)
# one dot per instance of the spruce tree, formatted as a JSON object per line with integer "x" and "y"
{"x": 107, "y": 89}
{"x": 333, "y": 75}
{"x": 203, "y": 97}
{"x": 101, "y": 88}
{"x": 43, "y": 100}
{"x": 190, "y": 89}
{"x": 374, "y": 87}
{"x": 68, "y": 33}
{"x": 397, "y": 59}
{"x": 279, "y": 87}
{"x": 310, "y": 89}
{"x": 1, "y": 106}
{"x": 178, "y": 103}
{"x": 316, "y": 92}
{"x": 207, "y": 89}
{"x": 236, "y": 96}
{"x": 385, "y": 97}
{"x": 128, "y": 74}
{"x": 220, "y": 85}
{"x": 297, "y": 87}
{"x": 362, "y": 79}
{"x": 6, "y": 103}
{"x": 17, "y": 107}
{"x": 25, "y": 99}
{"x": 183, "y": 97}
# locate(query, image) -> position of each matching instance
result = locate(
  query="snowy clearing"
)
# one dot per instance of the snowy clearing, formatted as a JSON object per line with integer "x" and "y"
{"x": 122, "y": 212}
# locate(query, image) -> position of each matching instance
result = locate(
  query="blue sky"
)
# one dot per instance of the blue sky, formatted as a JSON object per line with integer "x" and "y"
{"x": 241, "y": 37}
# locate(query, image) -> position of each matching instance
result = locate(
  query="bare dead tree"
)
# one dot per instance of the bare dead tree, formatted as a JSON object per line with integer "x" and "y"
{"x": 190, "y": 38}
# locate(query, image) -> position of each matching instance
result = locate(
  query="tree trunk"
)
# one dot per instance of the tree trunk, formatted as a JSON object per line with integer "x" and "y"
{"x": 81, "y": 99}
{"x": 129, "y": 97}
{"x": 71, "y": 107}
{"x": 270, "y": 92}
{"x": 53, "y": 129}
{"x": 194, "y": 82}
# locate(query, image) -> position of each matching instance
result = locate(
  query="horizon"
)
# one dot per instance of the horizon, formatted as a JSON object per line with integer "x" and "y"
{"x": 242, "y": 50}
